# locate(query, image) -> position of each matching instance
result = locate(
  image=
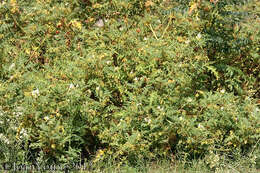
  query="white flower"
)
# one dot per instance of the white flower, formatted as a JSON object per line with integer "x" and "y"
{"x": 181, "y": 118}
{"x": 23, "y": 132}
{"x": 160, "y": 108}
{"x": 139, "y": 104}
{"x": 189, "y": 99}
{"x": 200, "y": 126}
{"x": 187, "y": 41}
{"x": 17, "y": 114}
{"x": 46, "y": 118}
{"x": 135, "y": 79}
{"x": 99, "y": 23}
{"x": 71, "y": 86}
{"x": 11, "y": 66}
{"x": 18, "y": 111}
{"x": 199, "y": 36}
{"x": 36, "y": 92}
{"x": 148, "y": 120}
{"x": 4, "y": 139}
{"x": 108, "y": 62}
{"x": 145, "y": 38}
{"x": 222, "y": 91}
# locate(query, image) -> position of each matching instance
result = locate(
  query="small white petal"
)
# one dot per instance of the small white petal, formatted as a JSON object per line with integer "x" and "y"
{"x": 187, "y": 41}
{"x": 148, "y": 120}
{"x": 46, "y": 118}
{"x": 11, "y": 66}
{"x": 71, "y": 86}
{"x": 189, "y": 99}
{"x": 200, "y": 126}
{"x": 199, "y": 36}
{"x": 222, "y": 91}
{"x": 99, "y": 23}
{"x": 35, "y": 92}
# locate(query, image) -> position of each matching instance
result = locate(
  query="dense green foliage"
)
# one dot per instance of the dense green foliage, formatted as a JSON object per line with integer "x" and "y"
{"x": 128, "y": 80}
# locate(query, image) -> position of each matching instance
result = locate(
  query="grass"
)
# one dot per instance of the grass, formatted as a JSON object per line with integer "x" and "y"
{"x": 198, "y": 166}
{"x": 239, "y": 164}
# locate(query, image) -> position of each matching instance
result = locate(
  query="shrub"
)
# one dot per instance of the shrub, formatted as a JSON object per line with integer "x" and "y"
{"x": 159, "y": 78}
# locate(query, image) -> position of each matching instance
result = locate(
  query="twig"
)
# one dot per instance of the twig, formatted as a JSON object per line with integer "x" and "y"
{"x": 254, "y": 147}
{"x": 17, "y": 24}
{"x": 37, "y": 48}
{"x": 153, "y": 31}
{"x": 167, "y": 27}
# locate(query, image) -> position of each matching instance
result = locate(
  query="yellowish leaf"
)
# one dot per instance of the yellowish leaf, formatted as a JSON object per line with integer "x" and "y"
{"x": 148, "y": 4}
{"x": 181, "y": 39}
{"x": 97, "y": 5}
{"x": 192, "y": 8}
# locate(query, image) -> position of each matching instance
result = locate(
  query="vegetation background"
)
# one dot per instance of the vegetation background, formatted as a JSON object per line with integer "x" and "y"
{"x": 122, "y": 83}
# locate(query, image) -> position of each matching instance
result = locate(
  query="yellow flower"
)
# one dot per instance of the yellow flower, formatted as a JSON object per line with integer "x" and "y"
{"x": 99, "y": 155}
{"x": 13, "y": 2}
{"x": 192, "y": 8}
{"x": 14, "y": 6}
{"x": 53, "y": 146}
{"x": 76, "y": 24}
{"x": 97, "y": 5}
